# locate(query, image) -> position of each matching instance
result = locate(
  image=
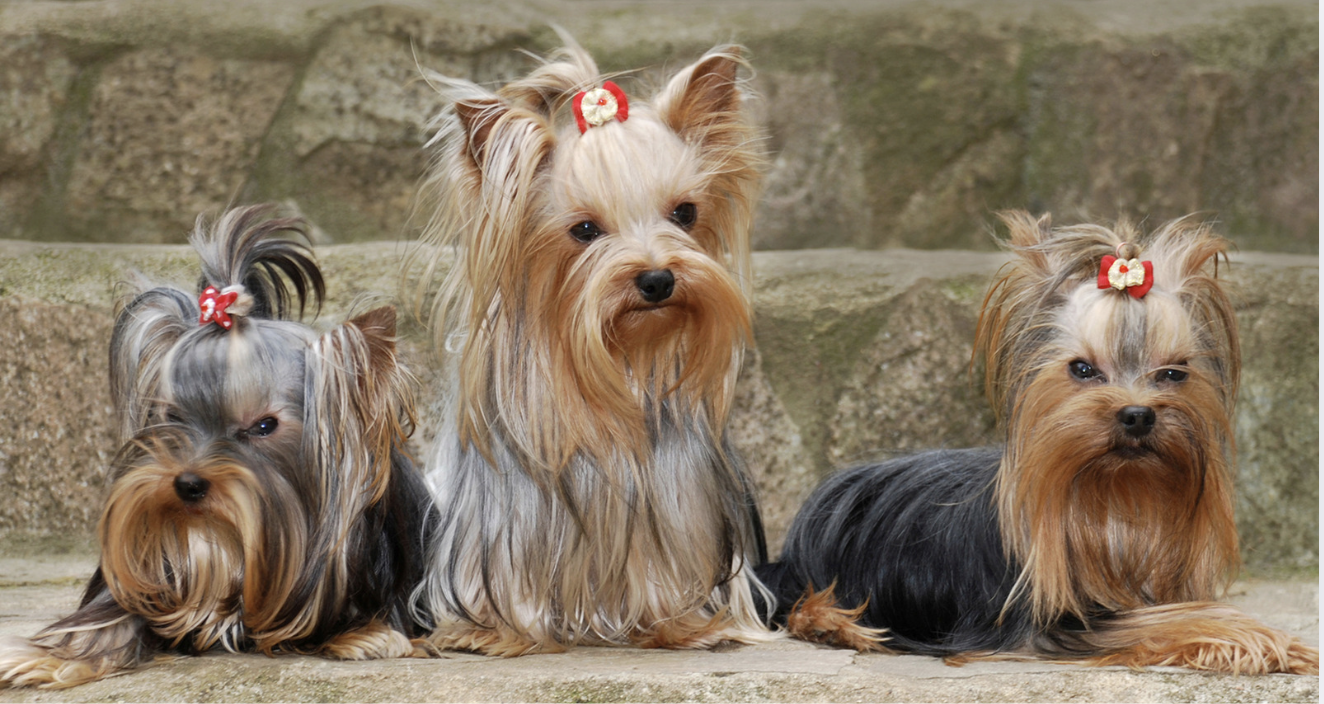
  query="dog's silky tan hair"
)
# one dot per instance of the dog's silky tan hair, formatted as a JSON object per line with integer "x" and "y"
{"x": 261, "y": 499}
{"x": 588, "y": 492}
{"x": 1104, "y": 528}
{"x": 1089, "y": 530}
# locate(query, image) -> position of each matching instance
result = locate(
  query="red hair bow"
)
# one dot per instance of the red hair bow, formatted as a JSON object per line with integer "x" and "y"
{"x": 213, "y": 304}
{"x": 595, "y": 108}
{"x": 1130, "y": 275}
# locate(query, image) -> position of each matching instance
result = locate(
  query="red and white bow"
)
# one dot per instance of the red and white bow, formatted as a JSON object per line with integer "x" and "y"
{"x": 1130, "y": 275}
{"x": 215, "y": 304}
{"x": 597, "y": 107}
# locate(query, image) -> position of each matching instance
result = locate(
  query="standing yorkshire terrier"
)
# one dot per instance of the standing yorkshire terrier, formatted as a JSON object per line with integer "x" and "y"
{"x": 262, "y": 499}
{"x": 1104, "y": 527}
{"x": 598, "y": 308}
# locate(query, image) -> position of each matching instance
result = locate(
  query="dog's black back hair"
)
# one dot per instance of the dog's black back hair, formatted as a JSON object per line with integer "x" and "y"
{"x": 387, "y": 561}
{"x": 917, "y": 539}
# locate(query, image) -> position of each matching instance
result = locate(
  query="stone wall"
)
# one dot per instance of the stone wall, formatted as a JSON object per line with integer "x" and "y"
{"x": 860, "y": 355}
{"x": 894, "y": 126}
{"x": 890, "y": 123}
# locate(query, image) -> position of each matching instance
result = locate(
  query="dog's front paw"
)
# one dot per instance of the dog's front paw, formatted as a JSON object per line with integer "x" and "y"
{"x": 23, "y": 664}
{"x": 498, "y": 642}
{"x": 1202, "y": 636}
{"x": 371, "y": 642}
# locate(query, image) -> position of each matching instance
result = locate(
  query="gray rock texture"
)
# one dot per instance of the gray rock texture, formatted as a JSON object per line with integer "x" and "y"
{"x": 888, "y": 124}
{"x": 859, "y": 356}
{"x": 169, "y": 133}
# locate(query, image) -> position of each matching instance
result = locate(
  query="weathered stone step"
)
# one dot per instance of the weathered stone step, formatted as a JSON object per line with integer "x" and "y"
{"x": 789, "y": 671}
{"x": 859, "y": 355}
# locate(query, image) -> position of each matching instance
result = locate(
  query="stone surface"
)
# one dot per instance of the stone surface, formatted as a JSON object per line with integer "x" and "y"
{"x": 869, "y": 352}
{"x": 36, "y": 78}
{"x": 170, "y": 134}
{"x": 52, "y": 453}
{"x": 924, "y": 95}
{"x": 349, "y": 147}
{"x": 903, "y": 385}
{"x": 1160, "y": 127}
{"x": 860, "y": 356}
{"x": 1278, "y": 492}
{"x": 897, "y": 123}
{"x": 43, "y": 589}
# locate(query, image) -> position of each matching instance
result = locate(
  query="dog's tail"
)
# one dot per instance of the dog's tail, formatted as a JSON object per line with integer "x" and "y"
{"x": 244, "y": 248}
{"x": 814, "y": 615}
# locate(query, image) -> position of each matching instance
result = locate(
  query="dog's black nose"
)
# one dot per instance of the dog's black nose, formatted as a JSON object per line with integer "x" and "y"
{"x": 190, "y": 487}
{"x": 1137, "y": 421}
{"x": 656, "y": 285}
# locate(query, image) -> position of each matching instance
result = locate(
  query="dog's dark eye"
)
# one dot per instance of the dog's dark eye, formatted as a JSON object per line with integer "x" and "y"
{"x": 1083, "y": 370}
{"x": 262, "y": 428}
{"x": 1173, "y": 376}
{"x": 586, "y": 231}
{"x": 684, "y": 215}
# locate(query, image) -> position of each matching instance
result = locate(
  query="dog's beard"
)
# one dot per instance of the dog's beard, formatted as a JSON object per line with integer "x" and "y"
{"x": 1100, "y": 520}
{"x": 206, "y": 571}
{"x": 585, "y": 365}
{"x": 624, "y": 353}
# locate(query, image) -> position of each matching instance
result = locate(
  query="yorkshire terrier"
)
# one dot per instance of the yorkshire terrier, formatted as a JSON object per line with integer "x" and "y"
{"x": 262, "y": 499}
{"x": 1103, "y": 529}
{"x": 595, "y": 318}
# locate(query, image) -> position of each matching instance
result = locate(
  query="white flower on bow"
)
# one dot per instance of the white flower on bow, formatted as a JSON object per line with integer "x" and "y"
{"x": 1125, "y": 273}
{"x": 597, "y": 107}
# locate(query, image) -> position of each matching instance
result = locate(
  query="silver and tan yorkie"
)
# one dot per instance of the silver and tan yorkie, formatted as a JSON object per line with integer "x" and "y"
{"x": 1103, "y": 529}
{"x": 596, "y": 313}
{"x": 262, "y": 499}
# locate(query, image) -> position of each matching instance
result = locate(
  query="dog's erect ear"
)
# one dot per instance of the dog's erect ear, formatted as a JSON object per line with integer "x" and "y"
{"x": 477, "y": 117}
{"x": 519, "y": 136}
{"x": 358, "y": 409}
{"x": 378, "y": 328}
{"x": 1025, "y": 233}
{"x": 1025, "y": 229}
{"x": 1186, "y": 255}
{"x": 146, "y": 329}
{"x": 702, "y": 102}
{"x": 505, "y": 147}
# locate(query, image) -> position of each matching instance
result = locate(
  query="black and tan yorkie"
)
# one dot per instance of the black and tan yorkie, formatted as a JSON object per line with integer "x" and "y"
{"x": 262, "y": 499}
{"x": 1103, "y": 529}
{"x": 595, "y": 318}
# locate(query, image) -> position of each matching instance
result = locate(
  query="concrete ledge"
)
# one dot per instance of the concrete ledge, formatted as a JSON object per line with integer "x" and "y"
{"x": 36, "y": 591}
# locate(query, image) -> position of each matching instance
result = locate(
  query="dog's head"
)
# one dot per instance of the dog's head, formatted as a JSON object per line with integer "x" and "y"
{"x": 1113, "y": 360}
{"x": 251, "y": 442}
{"x": 602, "y": 244}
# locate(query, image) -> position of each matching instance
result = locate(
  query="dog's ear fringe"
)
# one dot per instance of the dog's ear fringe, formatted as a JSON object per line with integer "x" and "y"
{"x": 359, "y": 408}
{"x": 146, "y": 328}
{"x": 268, "y": 256}
{"x": 702, "y": 102}
{"x": 705, "y": 105}
{"x": 358, "y": 412}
